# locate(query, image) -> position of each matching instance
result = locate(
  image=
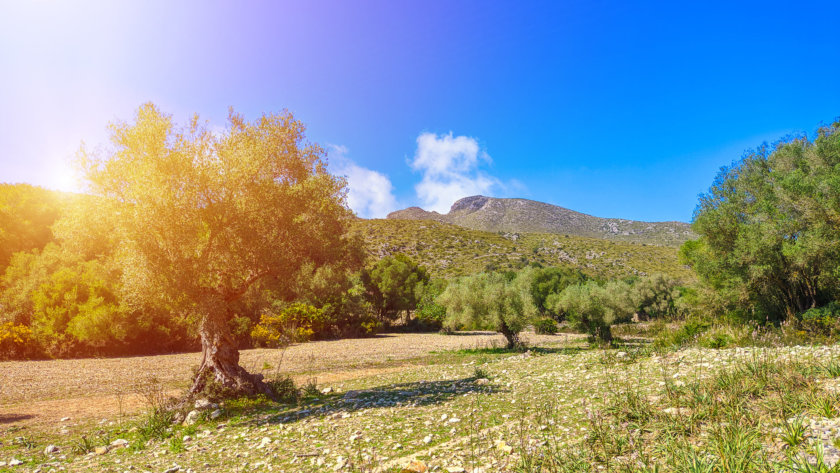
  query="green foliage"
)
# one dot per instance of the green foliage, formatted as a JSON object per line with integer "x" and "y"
{"x": 688, "y": 333}
{"x": 552, "y": 280}
{"x": 293, "y": 323}
{"x": 392, "y": 285}
{"x": 17, "y": 341}
{"x": 26, "y": 215}
{"x": 449, "y": 251}
{"x": 490, "y": 301}
{"x": 825, "y": 319}
{"x": 656, "y": 296}
{"x": 429, "y": 313}
{"x": 769, "y": 228}
{"x": 545, "y": 326}
{"x": 594, "y": 308}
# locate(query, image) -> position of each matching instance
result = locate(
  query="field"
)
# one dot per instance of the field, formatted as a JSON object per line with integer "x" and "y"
{"x": 432, "y": 402}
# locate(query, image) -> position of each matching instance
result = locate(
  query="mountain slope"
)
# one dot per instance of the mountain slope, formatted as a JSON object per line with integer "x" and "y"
{"x": 528, "y": 216}
{"x": 449, "y": 250}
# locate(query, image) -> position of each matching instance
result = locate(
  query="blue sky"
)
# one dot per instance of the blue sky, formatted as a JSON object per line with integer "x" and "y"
{"x": 616, "y": 109}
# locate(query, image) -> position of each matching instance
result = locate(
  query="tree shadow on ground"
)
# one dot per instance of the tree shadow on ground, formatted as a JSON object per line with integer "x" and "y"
{"x": 518, "y": 351}
{"x": 631, "y": 342}
{"x": 11, "y": 418}
{"x": 416, "y": 394}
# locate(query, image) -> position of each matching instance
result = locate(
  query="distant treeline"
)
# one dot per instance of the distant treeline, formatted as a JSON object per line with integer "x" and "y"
{"x": 768, "y": 253}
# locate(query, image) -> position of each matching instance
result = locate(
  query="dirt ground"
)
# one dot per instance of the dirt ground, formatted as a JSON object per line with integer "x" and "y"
{"x": 41, "y": 393}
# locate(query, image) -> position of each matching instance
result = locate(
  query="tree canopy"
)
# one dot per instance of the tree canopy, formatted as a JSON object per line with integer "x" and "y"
{"x": 203, "y": 217}
{"x": 490, "y": 301}
{"x": 770, "y": 227}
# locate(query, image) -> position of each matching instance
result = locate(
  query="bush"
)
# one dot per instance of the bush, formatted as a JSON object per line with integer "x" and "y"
{"x": 545, "y": 326}
{"x": 16, "y": 342}
{"x": 824, "y": 320}
{"x": 429, "y": 313}
{"x": 688, "y": 333}
{"x": 294, "y": 323}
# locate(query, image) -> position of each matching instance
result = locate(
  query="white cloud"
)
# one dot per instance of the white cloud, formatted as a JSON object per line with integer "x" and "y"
{"x": 370, "y": 194}
{"x": 450, "y": 167}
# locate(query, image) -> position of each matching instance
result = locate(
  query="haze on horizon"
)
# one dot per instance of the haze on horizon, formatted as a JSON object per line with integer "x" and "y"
{"x": 604, "y": 108}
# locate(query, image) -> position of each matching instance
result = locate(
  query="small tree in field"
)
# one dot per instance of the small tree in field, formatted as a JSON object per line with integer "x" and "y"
{"x": 593, "y": 308}
{"x": 490, "y": 301}
{"x": 203, "y": 217}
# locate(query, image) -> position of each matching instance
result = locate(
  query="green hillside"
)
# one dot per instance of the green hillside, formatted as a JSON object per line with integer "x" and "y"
{"x": 450, "y": 250}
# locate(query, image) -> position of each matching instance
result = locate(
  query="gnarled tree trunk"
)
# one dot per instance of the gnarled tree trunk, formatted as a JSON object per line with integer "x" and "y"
{"x": 511, "y": 336}
{"x": 220, "y": 359}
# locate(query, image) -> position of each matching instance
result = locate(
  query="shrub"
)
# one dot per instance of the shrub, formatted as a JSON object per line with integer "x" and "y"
{"x": 687, "y": 333}
{"x": 16, "y": 342}
{"x": 294, "y": 323}
{"x": 822, "y": 319}
{"x": 545, "y": 326}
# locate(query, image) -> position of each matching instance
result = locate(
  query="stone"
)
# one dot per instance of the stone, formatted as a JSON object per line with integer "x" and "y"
{"x": 326, "y": 390}
{"x": 100, "y": 450}
{"x": 172, "y": 469}
{"x": 216, "y": 414}
{"x": 482, "y": 381}
{"x": 677, "y": 411}
{"x": 119, "y": 443}
{"x": 192, "y": 418}
{"x": 455, "y": 469}
{"x": 65, "y": 419}
{"x": 50, "y": 449}
{"x": 15, "y": 462}
{"x": 202, "y": 404}
{"x": 427, "y": 439}
{"x": 416, "y": 466}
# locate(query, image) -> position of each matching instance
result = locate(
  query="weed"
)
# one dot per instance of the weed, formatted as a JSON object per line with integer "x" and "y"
{"x": 792, "y": 432}
{"x": 82, "y": 446}
{"x": 176, "y": 444}
{"x": 479, "y": 373}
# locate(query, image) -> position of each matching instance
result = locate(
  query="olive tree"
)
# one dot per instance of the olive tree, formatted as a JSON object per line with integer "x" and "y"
{"x": 490, "y": 301}
{"x": 204, "y": 216}
{"x": 594, "y": 308}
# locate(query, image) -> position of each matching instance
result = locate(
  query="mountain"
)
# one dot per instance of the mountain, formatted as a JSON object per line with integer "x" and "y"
{"x": 449, "y": 250}
{"x": 492, "y": 214}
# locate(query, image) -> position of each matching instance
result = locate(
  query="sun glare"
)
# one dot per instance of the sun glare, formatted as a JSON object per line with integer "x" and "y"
{"x": 63, "y": 177}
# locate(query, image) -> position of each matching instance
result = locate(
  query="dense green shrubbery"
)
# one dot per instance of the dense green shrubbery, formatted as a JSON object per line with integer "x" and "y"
{"x": 825, "y": 319}
{"x": 770, "y": 241}
{"x": 545, "y": 326}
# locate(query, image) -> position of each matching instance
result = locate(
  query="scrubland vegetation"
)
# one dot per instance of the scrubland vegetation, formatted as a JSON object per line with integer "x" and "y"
{"x": 717, "y": 357}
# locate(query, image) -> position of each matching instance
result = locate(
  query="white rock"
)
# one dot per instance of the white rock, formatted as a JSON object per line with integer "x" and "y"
{"x": 50, "y": 449}
{"x": 15, "y": 462}
{"x": 119, "y": 443}
{"x": 205, "y": 404}
{"x": 216, "y": 414}
{"x": 65, "y": 419}
{"x": 192, "y": 418}
{"x": 427, "y": 439}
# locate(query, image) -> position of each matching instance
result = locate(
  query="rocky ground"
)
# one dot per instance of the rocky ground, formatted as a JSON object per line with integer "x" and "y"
{"x": 474, "y": 411}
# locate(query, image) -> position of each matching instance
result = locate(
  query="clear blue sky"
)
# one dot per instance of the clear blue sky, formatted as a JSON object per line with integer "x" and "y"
{"x": 616, "y": 109}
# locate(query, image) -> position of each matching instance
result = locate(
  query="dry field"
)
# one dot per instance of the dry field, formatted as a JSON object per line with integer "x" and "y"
{"x": 38, "y": 394}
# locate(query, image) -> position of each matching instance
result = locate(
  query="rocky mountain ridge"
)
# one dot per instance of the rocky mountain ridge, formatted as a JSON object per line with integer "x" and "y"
{"x": 528, "y": 216}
